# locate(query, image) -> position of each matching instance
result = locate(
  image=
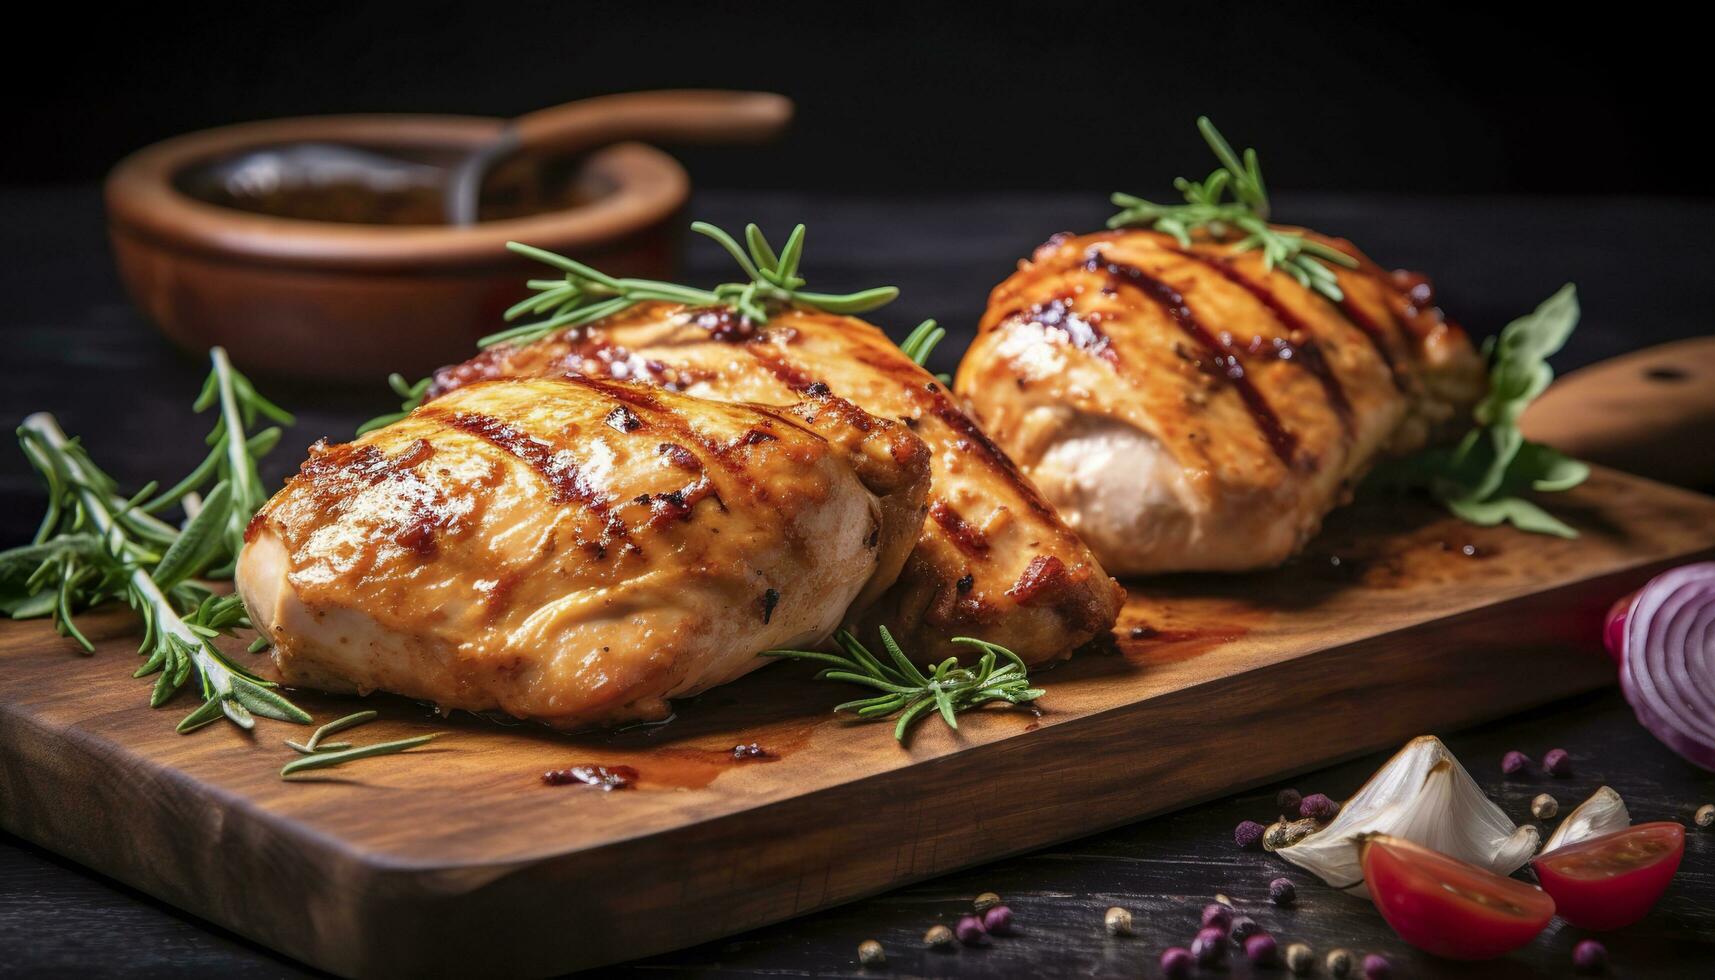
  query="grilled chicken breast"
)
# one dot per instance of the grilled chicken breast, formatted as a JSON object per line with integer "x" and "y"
{"x": 1186, "y": 408}
{"x": 577, "y": 551}
{"x": 993, "y": 560}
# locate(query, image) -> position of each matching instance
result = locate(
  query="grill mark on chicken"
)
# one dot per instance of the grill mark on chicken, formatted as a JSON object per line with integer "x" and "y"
{"x": 723, "y": 324}
{"x": 563, "y": 479}
{"x": 1229, "y": 367}
{"x": 967, "y": 537}
{"x": 676, "y": 426}
{"x": 1083, "y": 332}
{"x": 1306, "y": 353}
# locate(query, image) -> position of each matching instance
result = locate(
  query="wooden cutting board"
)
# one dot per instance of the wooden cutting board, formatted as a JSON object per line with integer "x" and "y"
{"x": 1399, "y": 621}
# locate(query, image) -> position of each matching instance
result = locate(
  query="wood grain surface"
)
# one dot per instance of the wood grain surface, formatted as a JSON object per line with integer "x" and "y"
{"x": 1397, "y": 621}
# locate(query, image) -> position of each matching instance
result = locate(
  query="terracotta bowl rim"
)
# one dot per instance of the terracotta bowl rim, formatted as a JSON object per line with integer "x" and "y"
{"x": 649, "y": 186}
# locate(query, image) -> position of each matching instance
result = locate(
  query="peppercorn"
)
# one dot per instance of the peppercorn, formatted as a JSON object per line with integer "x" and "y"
{"x": 985, "y": 901}
{"x": 1377, "y": 967}
{"x": 969, "y": 930}
{"x": 1318, "y": 807}
{"x": 1287, "y": 800}
{"x": 1243, "y": 928}
{"x": 939, "y": 937}
{"x": 1261, "y": 950}
{"x": 1217, "y": 915}
{"x": 997, "y": 920}
{"x": 1544, "y": 807}
{"x": 1705, "y": 815}
{"x": 1589, "y": 956}
{"x": 1557, "y": 763}
{"x": 1210, "y": 946}
{"x": 1176, "y": 962}
{"x": 1513, "y": 763}
{"x": 1281, "y": 891}
{"x": 1248, "y": 834}
{"x": 1338, "y": 962}
{"x": 1299, "y": 958}
{"x": 870, "y": 953}
{"x": 1117, "y": 921}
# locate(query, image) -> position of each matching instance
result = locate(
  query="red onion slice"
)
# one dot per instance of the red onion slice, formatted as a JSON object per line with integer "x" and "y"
{"x": 1668, "y": 669}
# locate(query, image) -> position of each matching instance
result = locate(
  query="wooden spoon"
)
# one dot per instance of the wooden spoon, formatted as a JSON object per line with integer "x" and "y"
{"x": 1650, "y": 412}
{"x": 699, "y": 116}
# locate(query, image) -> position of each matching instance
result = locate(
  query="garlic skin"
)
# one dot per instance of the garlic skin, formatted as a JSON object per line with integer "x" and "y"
{"x": 1425, "y": 796}
{"x": 1603, "y": 813}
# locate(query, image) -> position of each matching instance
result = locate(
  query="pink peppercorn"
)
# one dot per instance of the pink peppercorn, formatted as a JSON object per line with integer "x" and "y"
{"x": 1217, "y": 915}
{"x": 1318, "y": 807}
{"x": 1589, "y": 956}
{"x": 998, "y": 920}
{"x": 1261, "y": 950}
{"x": 969, "y": 930}
{"x": 1176, "y": 962}
{"x": 1248, "y": 835}
{"x": 1281, "y": 891}
{"x": 1514, "y": 762}
{"x": 1557, "y": 763}
{"x": 1243, "y": 928}
{"x": 1377, "y": 967}
{"x": 1210, "y": 946}
{"x": 1287, "y": 800}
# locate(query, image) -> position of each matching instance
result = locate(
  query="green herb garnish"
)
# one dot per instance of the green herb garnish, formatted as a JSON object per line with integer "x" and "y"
{"x": 921, "y": 342}
{"x": 96, "y": 546}
{"x": 1209, "y": 210}
{"x": 327, "y": 760}
{"x": 585, "y": 295}
{"x": 1482, "y": 477}
{"x": 946, "y": 687}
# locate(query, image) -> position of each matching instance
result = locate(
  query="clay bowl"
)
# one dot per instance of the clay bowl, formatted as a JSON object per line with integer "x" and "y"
{"x": 348, "y": 301}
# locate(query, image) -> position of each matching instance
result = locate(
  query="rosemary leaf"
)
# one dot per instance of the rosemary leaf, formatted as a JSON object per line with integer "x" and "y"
{"x": 327, "y": 760}
{"x": 341, "y": 724}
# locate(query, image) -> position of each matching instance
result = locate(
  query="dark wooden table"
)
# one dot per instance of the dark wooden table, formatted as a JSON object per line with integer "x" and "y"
{"x": 72, "y": 345}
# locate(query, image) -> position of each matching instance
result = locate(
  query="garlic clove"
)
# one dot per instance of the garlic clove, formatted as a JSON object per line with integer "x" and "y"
{"x": 1603, "y": 813}
{"x": 1425, "y": 796}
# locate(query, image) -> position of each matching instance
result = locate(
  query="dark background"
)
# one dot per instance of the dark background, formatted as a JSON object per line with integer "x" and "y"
{"x": 925, "y": 96}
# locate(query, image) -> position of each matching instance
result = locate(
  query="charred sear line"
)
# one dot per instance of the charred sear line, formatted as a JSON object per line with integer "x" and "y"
{"x": 554, "y": 467}
{"x": 1305, "y": 353}
{"x": 680, "y": 456}
{"x": 1223, "y": 358}
{"x": 768, "y": 601}
{"x": 1081, "y": 331}
{"x": 623, "y": 419}
{"x": 967, "y": 537}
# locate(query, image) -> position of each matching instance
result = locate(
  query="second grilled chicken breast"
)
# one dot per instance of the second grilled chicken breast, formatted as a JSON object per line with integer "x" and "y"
{"x": 993, "y": 561}
{"x": 1187, "y": 408}
{"x": 578, "y": 551}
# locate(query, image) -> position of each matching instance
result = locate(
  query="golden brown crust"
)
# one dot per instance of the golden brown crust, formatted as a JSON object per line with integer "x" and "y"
{"x": 948, "y": 587}
{"x": 578, "y": 550}
{"x": 1244, "y": 403}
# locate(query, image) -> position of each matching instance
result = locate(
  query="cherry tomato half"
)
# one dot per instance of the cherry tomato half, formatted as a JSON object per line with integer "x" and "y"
{"x": 1611, "y": 881}
{"x": 1447, "y": 907}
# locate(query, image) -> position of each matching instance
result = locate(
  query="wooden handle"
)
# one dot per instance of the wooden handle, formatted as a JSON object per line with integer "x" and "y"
{"x": 1650, "y": 412}
{"x": 702, "y": 116}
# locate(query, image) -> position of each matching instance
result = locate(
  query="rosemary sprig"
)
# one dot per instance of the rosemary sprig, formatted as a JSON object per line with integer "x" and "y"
{"x": 1208, "y": 210}
{"x": 947, "y": 687}
{"x": 95, "y": 546}
{"x": 1481, "y": 478}
{"x": 584, "y": 295}
{"x": 327, "y": 760}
